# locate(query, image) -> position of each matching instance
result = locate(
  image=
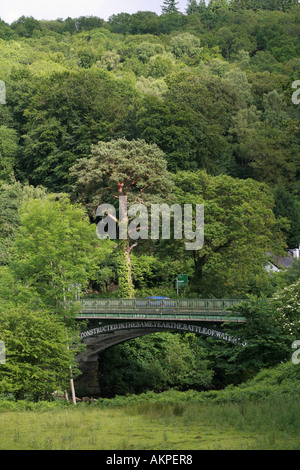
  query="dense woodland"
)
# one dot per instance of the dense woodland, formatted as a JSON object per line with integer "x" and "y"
{"x": 191, "y": 107}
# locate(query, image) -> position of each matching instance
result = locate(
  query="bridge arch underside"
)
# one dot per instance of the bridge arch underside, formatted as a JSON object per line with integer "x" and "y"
{"x": 103, "y": 335}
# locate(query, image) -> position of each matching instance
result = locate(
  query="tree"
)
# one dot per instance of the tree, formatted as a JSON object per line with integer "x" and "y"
{"x": 120, "y": 23}
{"x": 273, "y": 155}
{"x": 192, "y": 7}
{"x": 274, "y": 112}
{"x": 55, "y": 252}
{"x": 145, "y": 50}
{"x": 282, "y": 5}
{"x": 11, "y": 198}
{"x": 202, "y": 6}
{"x": 185, "y": 43}
{"x": 155, "y": 362}
{"x": 25, "y": 26}
{"x": 216, "y": 4}
{"x": 265, "y": 343}
{"x": 8, "y": 152}
{"x": 240, "y": 228}
{"x": 9, "y": 220}
{"x": 37, "y": 360}
{"x": 169, "y": 6}
{"x": 191, "y": 123}
{"x": 286, "y": 205}
{"x": 65, "y": 114}
{"x": 120, "y": 169}
{"x": 226, "y": 37}
{"x": 6, "y": 32}
{"x": 286, "y": 303}
{"x": 87, "y": 23}
{"x": 144, "y": 22}
{"x": 243, "y": 129}
{"x": 175, "y": 128}
{"x": 186, "y": 365}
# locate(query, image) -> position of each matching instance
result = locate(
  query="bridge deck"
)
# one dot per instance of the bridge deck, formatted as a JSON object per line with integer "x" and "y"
{"x": 216, "y": 310}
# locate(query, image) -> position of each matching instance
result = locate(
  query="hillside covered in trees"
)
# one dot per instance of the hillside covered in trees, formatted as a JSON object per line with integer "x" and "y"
{"x": 207, "y": 96}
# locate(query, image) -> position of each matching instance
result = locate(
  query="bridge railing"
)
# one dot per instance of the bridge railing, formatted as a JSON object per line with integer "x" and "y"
{"x": 166, "y": 307}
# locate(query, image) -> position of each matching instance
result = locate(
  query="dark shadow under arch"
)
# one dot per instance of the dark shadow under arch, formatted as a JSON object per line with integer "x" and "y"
{"x": 105, "y": 335}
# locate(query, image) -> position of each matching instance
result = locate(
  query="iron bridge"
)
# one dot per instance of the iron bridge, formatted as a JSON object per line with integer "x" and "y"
{"x": 108, "y": 322}
{"x": 204, "y": 310}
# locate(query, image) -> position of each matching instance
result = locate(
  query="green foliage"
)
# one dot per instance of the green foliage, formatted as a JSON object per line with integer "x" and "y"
{"x": 67, "y": 113}
{"x": 286, "y": 205}
{"x": 289, "y": 276}
{"x": 268, "y": 386}
{"x": 26, "y": 26}
{"x": 287, "y": 303}
{"x": 169, "y": 6}
{"x": 156, "y": 362}
{"x": 55, "y": 250}
{"x": 122, "y": 169}
{"x": 125, "y": 284}
{"x": 185, "y": 43}
{"x": 240, "y": 227}
{"x": 54, "y": 255}
{"x": 274, "y": 383}
{"x": 190, "y": 124}
{"x": 11, "y": 198}
{"x": 8, "y": 152}
{"x": 266, "y": 343}
{"x": 37, "y": 360}
{"x": 62, "y": 102}
{"x": 9, "y": 204}
{"x": 202, "y": 98}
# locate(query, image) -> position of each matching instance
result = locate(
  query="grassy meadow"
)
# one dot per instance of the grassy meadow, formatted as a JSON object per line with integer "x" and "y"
{"x": 266, "y": 425}
{"x": 261, "y": 414}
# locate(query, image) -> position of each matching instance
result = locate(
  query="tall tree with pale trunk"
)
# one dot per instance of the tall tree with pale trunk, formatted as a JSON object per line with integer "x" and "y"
{"x": 123, "y": 172}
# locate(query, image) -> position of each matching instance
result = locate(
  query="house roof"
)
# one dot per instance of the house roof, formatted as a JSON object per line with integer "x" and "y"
{"x": 285, "y": 261}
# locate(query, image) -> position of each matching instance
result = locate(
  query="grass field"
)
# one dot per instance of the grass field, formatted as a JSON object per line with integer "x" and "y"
{"x": 261, "y": 414}
{"x": 267, "y": 425}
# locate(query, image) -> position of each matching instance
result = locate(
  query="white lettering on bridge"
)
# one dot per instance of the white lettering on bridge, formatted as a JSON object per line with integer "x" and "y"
{"x": 164, "y": 325}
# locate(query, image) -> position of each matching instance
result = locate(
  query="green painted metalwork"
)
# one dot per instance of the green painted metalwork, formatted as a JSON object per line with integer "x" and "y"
{"x": 212, "y": 310}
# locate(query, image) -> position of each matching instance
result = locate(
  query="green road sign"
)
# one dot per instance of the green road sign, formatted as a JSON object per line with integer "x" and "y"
{"x": 181, "y": 281}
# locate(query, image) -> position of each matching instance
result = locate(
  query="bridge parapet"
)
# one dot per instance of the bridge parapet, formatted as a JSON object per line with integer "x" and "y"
{"x": 192, "y": 309}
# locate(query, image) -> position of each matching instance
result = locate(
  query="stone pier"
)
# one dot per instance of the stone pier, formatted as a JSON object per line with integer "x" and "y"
{"x": 87, "y": 384}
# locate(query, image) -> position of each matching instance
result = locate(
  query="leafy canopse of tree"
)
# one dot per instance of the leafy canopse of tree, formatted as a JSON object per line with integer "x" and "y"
{"x": 191, "y": 123}
{"x": 265, "y": 342}
{"x": 122, "y": 171}
{"x": 287, "y": 308}
{"x": 65, "y": 114}
{"x": 169, "y": 6}
{"x": 240, "y": 229}
{"x": 55, "y": 250}
{"x": 155, "y": 361}
{"x": 11, "y": 198}
{"x": 8, "y": 152}
{"x": 37, "y": 360}
{"x": 288, "y": 206}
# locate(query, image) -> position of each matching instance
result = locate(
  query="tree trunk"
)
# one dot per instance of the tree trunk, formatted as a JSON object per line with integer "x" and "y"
{"x": 126, "y": 288}
{"x": 199, "y": 262}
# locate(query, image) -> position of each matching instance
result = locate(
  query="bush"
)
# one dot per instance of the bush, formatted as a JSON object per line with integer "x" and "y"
{"x": 283, "y": 380}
